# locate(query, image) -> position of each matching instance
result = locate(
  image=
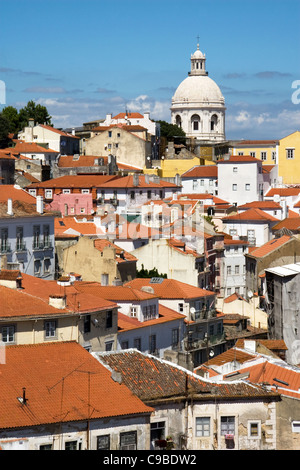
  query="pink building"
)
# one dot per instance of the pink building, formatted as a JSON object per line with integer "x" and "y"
{"x": 72, "y": 203}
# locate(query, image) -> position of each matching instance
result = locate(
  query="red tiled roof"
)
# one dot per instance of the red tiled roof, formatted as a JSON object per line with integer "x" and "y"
{"x": 240, "y": 159}
{"x": 252, "y": 214}
{"x": 270, "y": 246}
{"x": 127, "y": 182}
{"x": 114, "y": 293}
{"x": 166, "y": 314}
{"x": 256, "y": 142}
{"x": 261, "y": 205}
{"x": 203, "y": 171}
{"x": 9, "y": 191}
{"x": 42, "y": 369}
{"x": 233, "y": 297}
{"x": 74, "y": 181}
{"x": 283, "y": 192}
{"x": 171, "y": 289}
{"x": 31, "y": 147}
{"x": 76, "y": 301}
{"x": 129, "y": 115}
{"x": 290, "y": 223}
{"x": 67, "y": 161}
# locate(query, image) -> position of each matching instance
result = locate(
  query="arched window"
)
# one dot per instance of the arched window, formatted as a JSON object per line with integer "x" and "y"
{"x": 195, "y": 121}
{"x": 213, "y": 122}
{"x": 178, "y": 121}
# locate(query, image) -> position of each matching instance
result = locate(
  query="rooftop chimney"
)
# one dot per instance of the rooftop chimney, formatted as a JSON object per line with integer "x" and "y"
{"x": 39, "y": 204}
{"x": 9, "y": 207}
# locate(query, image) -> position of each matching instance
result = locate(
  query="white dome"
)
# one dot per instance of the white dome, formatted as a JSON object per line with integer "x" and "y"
{"x": 198, "y": 89}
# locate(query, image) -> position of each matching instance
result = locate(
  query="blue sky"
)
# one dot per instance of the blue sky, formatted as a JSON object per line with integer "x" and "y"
{"x": 83, "y": 59}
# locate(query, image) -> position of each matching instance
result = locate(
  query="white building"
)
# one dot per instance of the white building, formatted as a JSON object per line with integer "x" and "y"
{"x": 200, "y": 179}
{"x": 234, "y": 266}
{"x": 132, "y": 119}
{"x": 240, "y": 179}
{"x": 198, "y": 106}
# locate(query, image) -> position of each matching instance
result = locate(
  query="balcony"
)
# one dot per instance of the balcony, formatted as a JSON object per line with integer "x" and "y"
{"x": 5, "y": 247}
{"x": 203, "y": 314}
{"x": 20, "y": 246}
{"x": 195, "y": 344}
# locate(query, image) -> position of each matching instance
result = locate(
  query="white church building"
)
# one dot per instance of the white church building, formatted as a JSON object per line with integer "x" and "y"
{"x": 198, "y": 106}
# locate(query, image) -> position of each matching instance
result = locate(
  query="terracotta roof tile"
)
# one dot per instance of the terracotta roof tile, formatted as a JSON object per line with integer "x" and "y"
{"x": 166, "y": 314}
{"x": 171, "y": 289}
{"x": 154, "y": 379}
{"x": 202, "y": 171}
{"x": 252, "y": 214}
{"x": 261, "y": 205}
{"x": 121, "y": 255}
{"x": 290, "y": 223}
{"x": 270, "y": 246}
{"x": 283, "y": 192}
{"x": 74, "y": 181}
{"x": 114, "y": 293}
{"x": 42, "y": 369}
{"x": 240, "y": 159}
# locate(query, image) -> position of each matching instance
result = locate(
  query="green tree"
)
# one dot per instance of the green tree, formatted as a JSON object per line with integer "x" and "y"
{"x": 4, "y": 131}
{"x": 12, "y": 115}
{"x": 33, "y": 111}
{"x": 149, "y": 273}
{"x": 170, "y": 131}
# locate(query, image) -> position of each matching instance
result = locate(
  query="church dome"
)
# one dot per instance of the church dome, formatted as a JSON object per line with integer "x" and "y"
{"x": 198, "y": 89}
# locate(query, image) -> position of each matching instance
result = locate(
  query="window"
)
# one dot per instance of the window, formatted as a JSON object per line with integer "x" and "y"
{"x": 240, "y": 153}
{"x": 295, "y": 426}
{"x": 228, "y": 270}
{"x": 237, "y": 269}
{"x": 149, "y": 194}
{"x": 85, "y": 191}
{"x": 37, "y": 267}
{"x": 274, "y": 156}
{"x": 133, "y": 311}
{"x": 254, "y": 428}
{"x": 263, "y": 155}
{"x": 152, "y": 344}
{"x": 46, "y": 236}
{"x": 104, "y": 279}
{"x": 180, "y": 308}
{"x": 8, "y": 334}
{"x": 87, "y": 323}
{"x": 109, "y": 133}
{"x": 46, "y": 447}
{"x": 109, "y": 345}
{"x": 290, "y": 153}
{"x": 247, "y": 187}
{"x": 66, "y": 191}
{"x": 203, "y": 426}
{"x": 175, "y": 337}
{"x": 157, "y": 431}
{"x": 132, "y": 195}
{"x": 50, "y": 329}
{"x": 227, "y": 425}
{"x": 4, "y": 240}
{"x": 234, "y": 187}
{"x": 71, "y": 445}
{"x": 109, "y": 319}
{"x": 252, "y": 154}
{"x": 47, "y": 265}
{"x": 124, "y": 345}
{"x": 19, "y": 239}
{"x": 128, "y": 440}
{"x": 137, "y": 343}
{"x": 228, "y": 291}
{"x": 32, "y": 192}
{"x": 103, "y": 442}
{"x": 235, "y": 169}
{"x": 194, "y": 184}
{"x": 48, "y": 193}
{"x": 36, "y": 236}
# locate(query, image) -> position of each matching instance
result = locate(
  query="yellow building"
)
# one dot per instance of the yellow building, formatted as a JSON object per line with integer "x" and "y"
{"x": 289, "y": 158}
{"x": 264, "y": 150}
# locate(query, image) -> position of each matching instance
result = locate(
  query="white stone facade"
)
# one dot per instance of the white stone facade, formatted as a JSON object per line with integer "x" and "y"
{"x": 198, "y": 106}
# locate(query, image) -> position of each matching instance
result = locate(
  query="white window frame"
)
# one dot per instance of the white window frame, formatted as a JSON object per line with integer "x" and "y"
{"x": 85, "y": 191}
{"x": 48, "y": 193}
{"x": 66, "y": 191}
{"x": 234, "y": 187}
{"x": 235, "y": 169}
{"x": 32, "y": 192}
{"x": 263, "y": 155}
{"x": 247, "y": 187}
{"x": 258, "y": 423}
{"x": 290, "y": 153}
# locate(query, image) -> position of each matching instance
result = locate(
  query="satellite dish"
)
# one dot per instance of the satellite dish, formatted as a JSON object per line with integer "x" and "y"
{"x": 192, "y": 310}
{"x": 211, "y": 353}
{"x": 250, "y": 294}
